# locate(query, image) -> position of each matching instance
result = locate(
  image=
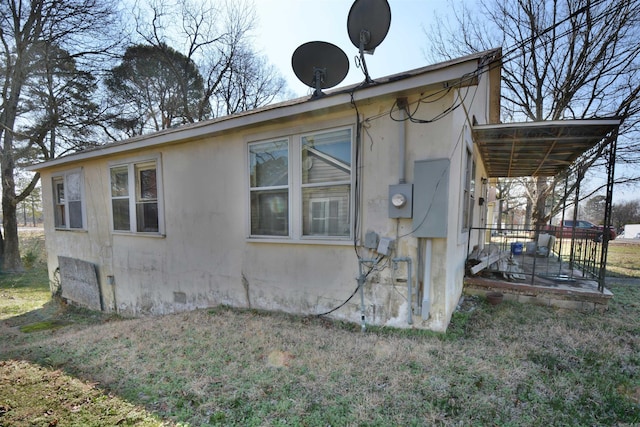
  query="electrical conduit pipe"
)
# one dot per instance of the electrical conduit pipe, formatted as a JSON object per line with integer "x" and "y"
{"x": 426, "y": 281}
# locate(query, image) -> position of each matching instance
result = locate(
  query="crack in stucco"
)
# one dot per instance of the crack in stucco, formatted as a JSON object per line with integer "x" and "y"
{"x": 245, "y": 284}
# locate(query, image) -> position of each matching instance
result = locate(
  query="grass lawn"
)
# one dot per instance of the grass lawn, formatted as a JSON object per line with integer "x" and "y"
{"x": 510, "y": 364}
{"x": 21, "y": 293}
{"x": 624, "y": 258}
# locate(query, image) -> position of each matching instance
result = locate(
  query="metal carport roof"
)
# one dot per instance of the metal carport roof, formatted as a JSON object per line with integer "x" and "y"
{"x": 544, "y": 148}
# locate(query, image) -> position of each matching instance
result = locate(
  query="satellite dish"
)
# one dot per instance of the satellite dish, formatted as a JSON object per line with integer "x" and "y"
{"x": 368, "y": 25}
{"x": 320, "y": 65}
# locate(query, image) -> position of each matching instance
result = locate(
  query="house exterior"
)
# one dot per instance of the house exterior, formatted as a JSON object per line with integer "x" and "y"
{"x": 357, "y": 203}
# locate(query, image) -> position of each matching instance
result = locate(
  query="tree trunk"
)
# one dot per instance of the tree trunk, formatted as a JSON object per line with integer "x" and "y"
{"x": 11, "y": 261}
{"x": 539, "y": 207}
{"x": 528, "y": 214}
{"x": 33, "y": 210}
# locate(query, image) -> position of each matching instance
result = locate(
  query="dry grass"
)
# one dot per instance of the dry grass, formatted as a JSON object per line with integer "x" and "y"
{"x": 624, "y": 258}
{"x": 510, "y": 364}
{"x": 56, "y": 398}
{"x": 24, "y": 292}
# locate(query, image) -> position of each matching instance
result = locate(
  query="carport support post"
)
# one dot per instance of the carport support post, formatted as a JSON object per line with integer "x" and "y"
{"x": 564, "y": 208}
{"x": 611, "y": 164}
{"x": 576, "y": 203}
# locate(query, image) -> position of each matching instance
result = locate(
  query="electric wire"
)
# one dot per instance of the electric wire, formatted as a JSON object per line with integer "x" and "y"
{"x": 482, "y": 68}
{"x": 487, "y": 67}
{"x": 356, "y": 168}
{"x": 478, "y": 72}
{"x": 358, "y": 153}
{"x": 356, "y": 208}
{"x": 450, "y": 157}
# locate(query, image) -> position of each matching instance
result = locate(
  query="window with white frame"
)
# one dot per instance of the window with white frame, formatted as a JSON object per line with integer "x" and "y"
{"x": 326, "y": 183}
{"x": 469, "y": 189}
{"x": 68, "y": 196}
{"x": 301, "y": 187}
{"x": 324, "y": 217}
{"x": 135, "y": 192}
{"x": 269, "y": 176}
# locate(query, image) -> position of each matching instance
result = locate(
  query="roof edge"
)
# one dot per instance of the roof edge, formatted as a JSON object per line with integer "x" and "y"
{"x": 613, "y": 121}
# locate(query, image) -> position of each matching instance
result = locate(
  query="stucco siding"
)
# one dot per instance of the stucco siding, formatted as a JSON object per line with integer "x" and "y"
{"x": 205, "y": 254}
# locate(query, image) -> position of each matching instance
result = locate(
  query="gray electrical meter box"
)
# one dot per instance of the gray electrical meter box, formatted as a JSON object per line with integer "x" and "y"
{"x": 430, "y": 211}
{"x": 401, "y": 201}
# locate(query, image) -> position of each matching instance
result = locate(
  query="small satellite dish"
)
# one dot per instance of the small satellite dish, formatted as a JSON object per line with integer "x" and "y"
{"x": 320, "y": 65}
{"x": 368, "y": 25}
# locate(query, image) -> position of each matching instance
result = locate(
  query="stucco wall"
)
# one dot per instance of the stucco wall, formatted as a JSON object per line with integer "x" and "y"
{"x": 204, "y": 257}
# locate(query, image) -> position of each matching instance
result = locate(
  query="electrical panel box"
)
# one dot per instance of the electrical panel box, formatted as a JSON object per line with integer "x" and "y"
{"x": 401, "y": 201}
{"x": 431, "y": 198}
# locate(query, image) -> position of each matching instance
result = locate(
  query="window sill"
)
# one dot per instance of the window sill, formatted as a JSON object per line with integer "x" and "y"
{"x": 327, "y": 242}
{"x": 73, "y": 230}
{"x": 129, "y": 234}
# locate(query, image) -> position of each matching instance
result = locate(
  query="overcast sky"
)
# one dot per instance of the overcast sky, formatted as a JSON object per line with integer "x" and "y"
{"x": 283, "y": 25}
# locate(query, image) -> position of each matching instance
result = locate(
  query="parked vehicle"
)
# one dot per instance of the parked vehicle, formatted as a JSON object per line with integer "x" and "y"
{"x": 583, "y": 230}
{"x": 631, "y": 231}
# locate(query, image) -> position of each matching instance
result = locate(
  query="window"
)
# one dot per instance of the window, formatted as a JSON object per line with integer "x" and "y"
{"x": 269, "y": 174}
{"x": 469, "y": 184}
{"x": 135, "y": 197}
{"x": 68, "y": 195}
{"x": 301, "y": 187}
{"x": 324, "y": 217}
{"x": 326, "y": 183}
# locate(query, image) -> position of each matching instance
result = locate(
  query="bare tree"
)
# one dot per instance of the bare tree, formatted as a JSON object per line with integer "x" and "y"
{"x": 31, "y": 207}
{"x": 76, "y": 29}
{"x": 626, "y": 213}
{"x": 594, "y": 208}
{"x": 215, "y": 37}
{"x": 563, "y": 59}
{"x": 506, "y": 200}
{"x": 249, "y": 83}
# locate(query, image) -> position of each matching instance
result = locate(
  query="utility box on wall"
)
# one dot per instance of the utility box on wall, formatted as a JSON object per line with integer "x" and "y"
{"x": 431, "y": 198}
{"x": 400, "y": 201}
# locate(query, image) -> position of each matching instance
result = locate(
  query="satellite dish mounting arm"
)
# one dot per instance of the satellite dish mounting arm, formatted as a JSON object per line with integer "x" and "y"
{"x": 318, "y": 80}
{"x": 365, "y": 38}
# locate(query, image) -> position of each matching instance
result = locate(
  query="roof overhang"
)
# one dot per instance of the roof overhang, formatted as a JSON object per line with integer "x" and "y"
{"x": 510, "y": 150}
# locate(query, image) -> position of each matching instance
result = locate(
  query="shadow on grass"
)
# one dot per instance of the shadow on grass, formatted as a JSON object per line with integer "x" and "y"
{"x": 43, "y": 384}
{"x": 497, "y": 364}
{"x": 35, "y": 395}
{"x": 51, "y": 310}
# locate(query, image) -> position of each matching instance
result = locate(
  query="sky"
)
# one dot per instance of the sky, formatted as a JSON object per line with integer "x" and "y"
{"x": 283, "y": 25}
